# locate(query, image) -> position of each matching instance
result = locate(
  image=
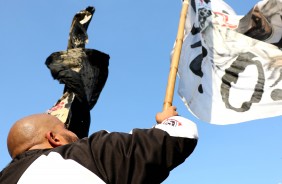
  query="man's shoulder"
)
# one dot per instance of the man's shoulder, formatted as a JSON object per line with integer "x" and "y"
{"x": 13, "y": 171}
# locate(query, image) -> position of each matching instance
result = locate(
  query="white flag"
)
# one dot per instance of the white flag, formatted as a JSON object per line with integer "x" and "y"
{"x": 228, "y": 72}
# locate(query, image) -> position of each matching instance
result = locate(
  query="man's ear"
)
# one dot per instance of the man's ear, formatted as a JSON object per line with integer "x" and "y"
{"x": 53, "y": 139}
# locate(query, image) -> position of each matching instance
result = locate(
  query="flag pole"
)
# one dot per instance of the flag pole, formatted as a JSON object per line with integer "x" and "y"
{"x": 175, "y": 57}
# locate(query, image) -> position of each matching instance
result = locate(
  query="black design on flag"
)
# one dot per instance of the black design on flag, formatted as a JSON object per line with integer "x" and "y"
{"x": 232, "y": 75}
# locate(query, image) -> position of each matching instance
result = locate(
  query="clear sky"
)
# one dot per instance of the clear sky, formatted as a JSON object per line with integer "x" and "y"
{"x": 138, "y": 35}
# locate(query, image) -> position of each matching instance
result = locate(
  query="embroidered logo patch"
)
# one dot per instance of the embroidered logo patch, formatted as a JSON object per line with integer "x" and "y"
{"x": 172, "y": 122}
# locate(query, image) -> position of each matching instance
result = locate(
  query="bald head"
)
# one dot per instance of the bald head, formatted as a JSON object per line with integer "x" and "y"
{"x": 38, "y": 131}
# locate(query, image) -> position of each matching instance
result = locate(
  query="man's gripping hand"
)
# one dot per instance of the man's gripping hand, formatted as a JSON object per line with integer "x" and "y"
{"x": 161, "y": 116}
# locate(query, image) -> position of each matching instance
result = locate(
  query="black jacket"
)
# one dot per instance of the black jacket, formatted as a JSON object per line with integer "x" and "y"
{"x": 144, "y": 156}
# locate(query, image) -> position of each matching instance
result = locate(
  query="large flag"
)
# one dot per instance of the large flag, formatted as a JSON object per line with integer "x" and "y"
{"x": 230, "y": 66}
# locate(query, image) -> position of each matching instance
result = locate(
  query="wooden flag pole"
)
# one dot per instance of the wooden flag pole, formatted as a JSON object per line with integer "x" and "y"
{"x": 175, "y": 57}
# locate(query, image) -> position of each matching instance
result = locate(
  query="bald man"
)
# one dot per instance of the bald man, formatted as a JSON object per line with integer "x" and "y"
{"x": 39, "y": 131}
{"x": 44, "y": 151}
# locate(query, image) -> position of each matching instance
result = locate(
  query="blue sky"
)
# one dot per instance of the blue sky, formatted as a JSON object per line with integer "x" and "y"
{"x": 138, "y": 35}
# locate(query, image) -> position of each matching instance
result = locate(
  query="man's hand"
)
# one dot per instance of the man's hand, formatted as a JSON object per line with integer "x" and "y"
{"x": 161, "y": 116}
